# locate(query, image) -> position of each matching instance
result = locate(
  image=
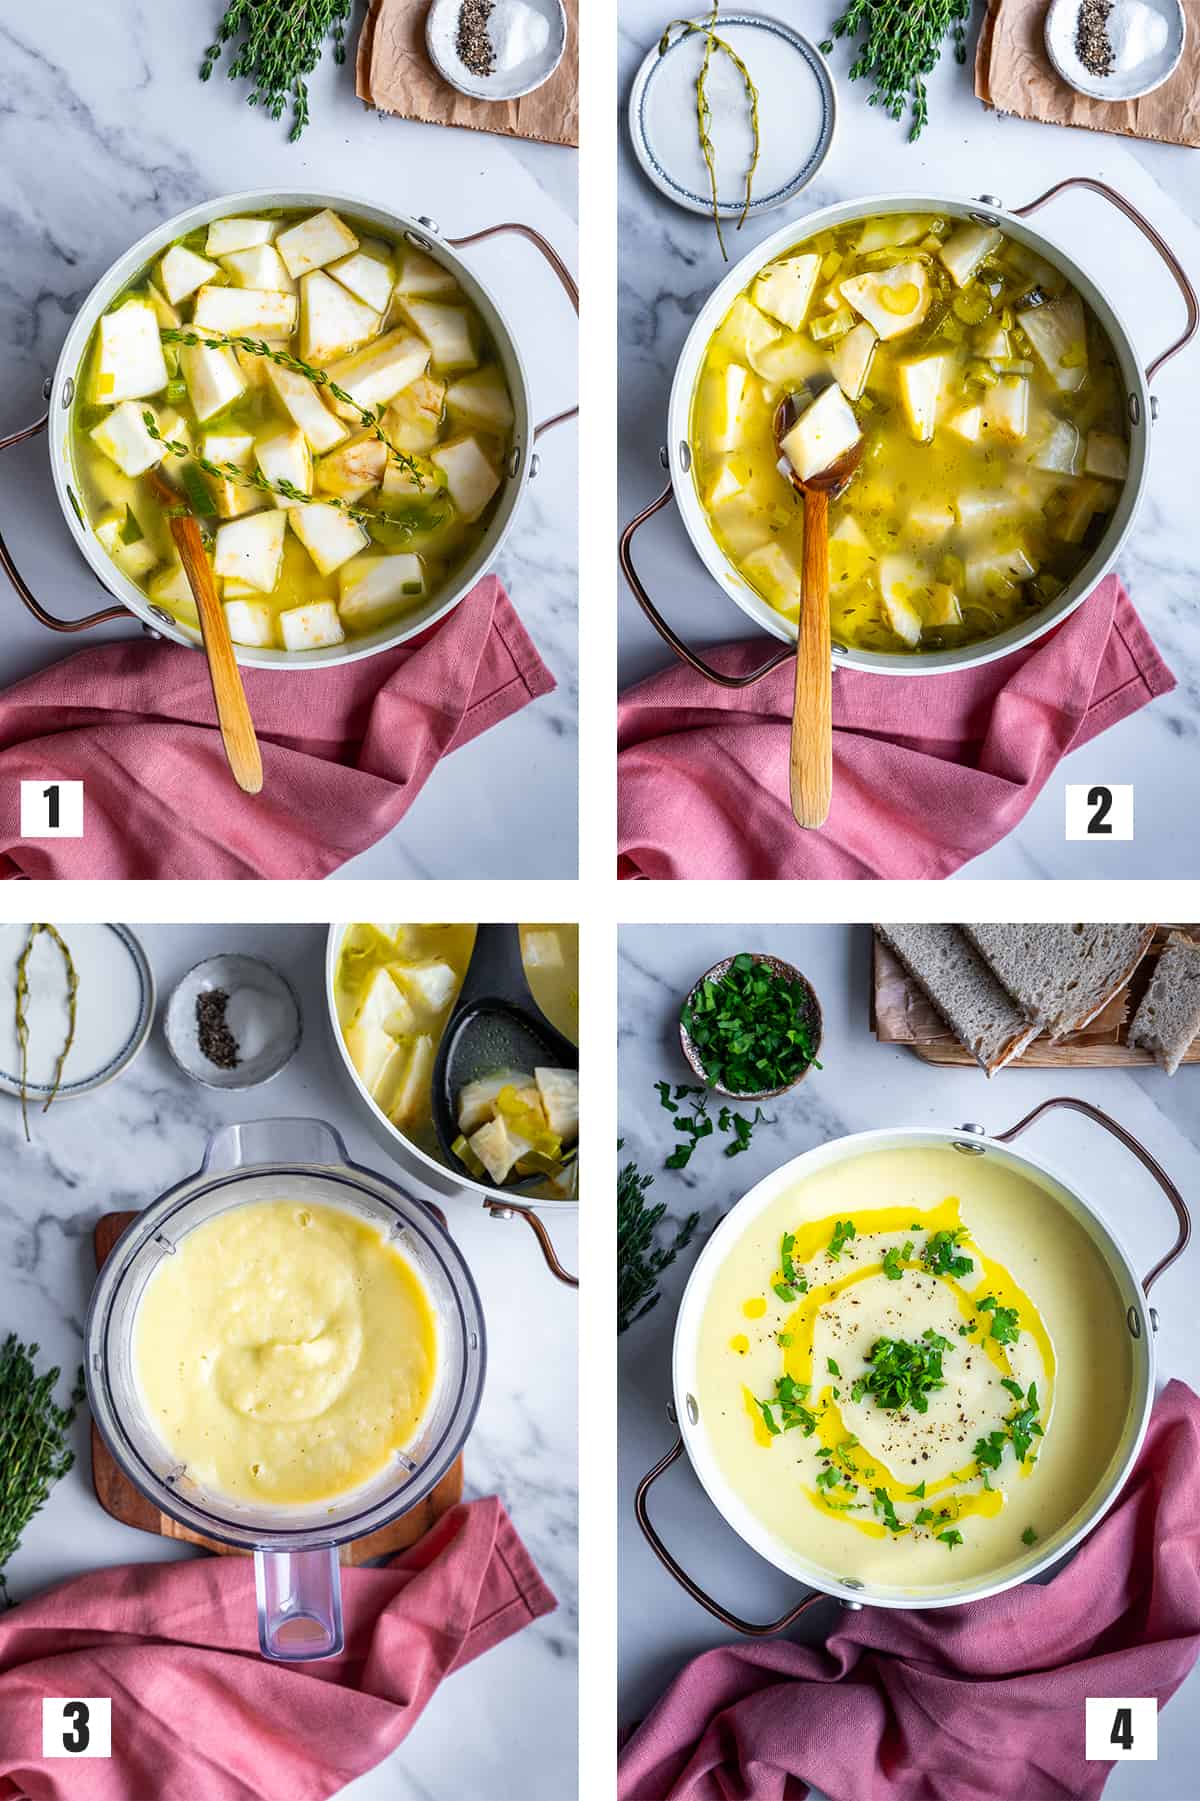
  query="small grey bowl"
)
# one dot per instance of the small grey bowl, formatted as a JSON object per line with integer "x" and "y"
{"x": 233, "y": 971}
{"x": 780, "y": 968}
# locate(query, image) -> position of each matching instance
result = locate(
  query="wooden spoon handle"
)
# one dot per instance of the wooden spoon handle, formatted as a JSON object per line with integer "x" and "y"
{"x": 812, "y": 712}
{"x": 233, "y": 712}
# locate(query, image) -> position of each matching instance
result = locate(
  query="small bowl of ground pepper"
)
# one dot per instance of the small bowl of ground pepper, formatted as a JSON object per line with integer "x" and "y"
{"x": 751, "y": 1027}
{"x": 496, "y": 49}
{"x": 232, "y": 1022}
{"x": 1115, "y": 49}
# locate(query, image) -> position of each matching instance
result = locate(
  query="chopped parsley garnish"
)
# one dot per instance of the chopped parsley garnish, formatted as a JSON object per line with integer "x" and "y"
{"x": 1020, "y": 1428}
{"x": 696, "y": 1123}
{"x": 829, "y": 1477}
{"x": 941, "y": 1256}
{"x": 753, "y": 1029}
{"x": 783, "y": 1338}
{"x": 926, "y": 1517}
{"x": 783, "y": 1291}
{"x": 832, "y": 1367}
{"x": 1005, "y": 1320}
{"x": 965, "y": 1331}
{"x": 768, "y": 1418}
{"x": 990, "y": 1450}
{"x": 918, "y": 1493}
{"x": 789, "y": 1398}
{"x": 1029, "y": 1536}
{"x": 843, "y": 1232}
{"x": 883, "y": 1505}
{"x": 895, "y": 1258}
{"x": 1014, "y": 1388}
{"x": 950, "y": 1538}
{"x": 787, "y": 1246}
{"x": 904, "y": 1372}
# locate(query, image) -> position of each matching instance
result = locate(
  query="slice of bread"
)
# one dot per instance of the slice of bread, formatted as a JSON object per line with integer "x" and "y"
{"x": 1169, "y": 1017}
{"x": 980, "y": 1012}
{"x": 1061, "y": 976}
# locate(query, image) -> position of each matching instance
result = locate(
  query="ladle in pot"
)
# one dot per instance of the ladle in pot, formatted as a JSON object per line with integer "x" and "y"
{"x": 233, "y": 710}
{"x": 811, "y": 763}
{"x": 496, "y": 1024}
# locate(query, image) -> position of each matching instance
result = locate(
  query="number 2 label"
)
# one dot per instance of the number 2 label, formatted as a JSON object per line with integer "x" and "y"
{"x": 1099, "y": 812}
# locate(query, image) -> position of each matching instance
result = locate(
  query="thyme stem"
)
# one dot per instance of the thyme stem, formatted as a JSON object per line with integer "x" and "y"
{"x": 688, "y": 28}
{"x": 22, "y": 1016}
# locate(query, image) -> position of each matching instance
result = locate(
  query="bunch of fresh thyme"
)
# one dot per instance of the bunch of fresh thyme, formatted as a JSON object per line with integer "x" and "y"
{"x": 640, "y": 1260}
{"x": 34, "y": 1451}
{"x": 902, "y": 43}
{"x": 283, "y": 41}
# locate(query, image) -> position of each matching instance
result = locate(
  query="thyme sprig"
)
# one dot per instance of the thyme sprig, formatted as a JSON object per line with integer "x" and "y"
{"x": 406, "y": 524}
{"x": 902, "y": 43}
{"x": 688, "y": 28}
{"x": 34, "y": 1451}
{"x": 320, "y": 378}
{"x": 22, "y": 1017}
{"x": 283, "y": 41}
{"x": 640, "y": 1259}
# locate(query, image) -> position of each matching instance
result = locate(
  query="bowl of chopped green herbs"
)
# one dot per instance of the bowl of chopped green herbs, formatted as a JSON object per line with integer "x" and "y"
{"x": 751, "y": 1027}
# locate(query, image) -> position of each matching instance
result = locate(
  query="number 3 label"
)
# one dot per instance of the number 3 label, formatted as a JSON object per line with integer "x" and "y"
{"x": 1121, "y": 1729}
{"x": 77, "y": 1728}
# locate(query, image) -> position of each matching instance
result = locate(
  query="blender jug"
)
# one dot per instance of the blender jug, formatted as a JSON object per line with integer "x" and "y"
{"x": 295, "y": 1546}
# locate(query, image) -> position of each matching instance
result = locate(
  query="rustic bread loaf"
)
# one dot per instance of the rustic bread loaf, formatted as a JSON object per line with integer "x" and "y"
{"x": 1061, "y": 976}
{"x": 1169, "y": 1017}
{"x": 963, "y": 988}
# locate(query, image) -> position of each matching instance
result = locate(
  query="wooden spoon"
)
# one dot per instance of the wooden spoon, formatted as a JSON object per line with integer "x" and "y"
{"x": 233, "y": 711}
{"x": 812, "y": 711}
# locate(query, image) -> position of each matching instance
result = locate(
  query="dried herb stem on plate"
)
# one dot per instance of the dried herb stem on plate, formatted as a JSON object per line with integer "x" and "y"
{"x": 22, "y": 1015}
{"x": 282, "y": 43}
{"x": 34, "y": 1451}
{"x": 640, "y": 1259}
{"x": 688, "y": 28}
{"x": 902, "y": 44}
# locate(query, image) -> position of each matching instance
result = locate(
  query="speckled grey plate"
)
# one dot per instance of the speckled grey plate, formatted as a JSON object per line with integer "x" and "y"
{"x": 797, "y": 116}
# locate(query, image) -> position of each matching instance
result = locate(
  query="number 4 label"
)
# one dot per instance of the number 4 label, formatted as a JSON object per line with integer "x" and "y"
{"x": 51, "y": 809}
{"x": 77, "y": 1728}
{"x": 1121, "y": 1729}
{"x": 1100, "y": 812}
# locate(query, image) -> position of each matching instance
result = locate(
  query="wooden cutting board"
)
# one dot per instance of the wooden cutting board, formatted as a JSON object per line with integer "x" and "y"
{"x": 118, "y": 1497}
{"x": 902, "y": 1014}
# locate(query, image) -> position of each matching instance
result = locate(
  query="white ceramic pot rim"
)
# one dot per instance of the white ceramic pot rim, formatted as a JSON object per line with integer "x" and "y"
{"x": 721, "y": 1493}
{"x": 425, "y": 236}
{"x": 687, "y": 370}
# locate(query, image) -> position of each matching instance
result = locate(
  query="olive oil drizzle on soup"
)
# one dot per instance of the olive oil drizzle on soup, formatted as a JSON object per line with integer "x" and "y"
{"x": 390, "y": 327}
{"x": 991, "y": 408}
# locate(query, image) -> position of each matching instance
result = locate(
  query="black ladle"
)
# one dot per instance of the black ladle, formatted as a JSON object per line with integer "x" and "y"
{"x": 496, "y": 1024}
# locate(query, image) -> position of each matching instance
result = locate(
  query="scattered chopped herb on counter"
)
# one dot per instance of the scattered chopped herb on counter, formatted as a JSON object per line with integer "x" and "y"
{"x": 697, "y": 1123}
{"x": 904, "y": 1372}
{"x": 640, "y": 1261}
{"x": 283, "y": 42}
{"x": 34, "y": 1451}
{"x": 843, "y": 1232}
{"x": 950, "y": 1538}
{"x": 941, "y": 1256}
{"x": 753, "y": 1029}
{"x": 1029, "y": 1536}
{"x": 894, "y": 1260}
{"x": 902, "y": 44}
{"x": 22, "y": 1015}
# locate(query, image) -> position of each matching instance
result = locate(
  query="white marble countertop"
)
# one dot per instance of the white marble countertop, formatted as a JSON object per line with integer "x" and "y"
{"x": 862, "y": 1085}
{"x": 670, "y": 263}
{"x": 105, "y": 130}
{"x": 124, "y": 1145}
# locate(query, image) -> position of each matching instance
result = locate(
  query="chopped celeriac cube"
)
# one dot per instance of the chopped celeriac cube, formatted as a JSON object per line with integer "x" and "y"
{"x": 355, "y": 468}
{"x": 366, "y": 276}
{"x": 250, "y": 623}
{"x": 371, "y": 587}
{"x": 731, "y": 387}
{"x": 477, "y": 1100}
{"x": 447, "y": 330}
{"x": 1106, "y": 455}
{"x": 776, "y": 577}
{"x": 285, "y": 457}
{"x": 966, "y": 248}
{"x": 123, "y": 437}
{"x": 893, "y": 301}
{"x": 134, "y": 560}
{"x": 482, "y": 399}
{"x": 746, "y": 330}
{"x": 498, "y": 1148}
{"x": 469, "y": 476}
{"x": 303, "y": 401}
{"x": 251, "y": 550}
{"x": 920, "y": 382}
{"x": 181, "y": 272}
{"x": 170, "y": 588}
{"x": 1058, "y": 450}
{"x": 213, "y": 378}
{"x": 421, "y": 276}
{"x": 785, "y": 289}
{"x": 233, "y": 498}
{"x": 375, "y": 374}
{"x": 237, "y": 311}
{"x": 329, "y": 536}
{"x": 824, "y": 432}
{"x": 167, "y": 316}
{"x": 1058, "y": 335}
{"x": 412, "y": 1093}
{"x": 725, "y": 483}
{"x": 967, "y": 424}
{"x": 332, "y": 321}
{"x": 414, "y": 418}
{"x": 430, "y": 986}
{"x": 903, "y": 585}
{"x": 314, "y": 242}
{"x": 559, "y": 1091}
{"x": 852, "y": 359}
{"x": 129, "y": 358}
{"x": 228, "y": 235}
{"x": 1006, "y": 408}
{"x": 262, "y": 268}
{"x": 311, "y": 627}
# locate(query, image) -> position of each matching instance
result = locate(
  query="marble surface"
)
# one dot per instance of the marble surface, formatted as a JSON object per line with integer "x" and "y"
{"x": 105, "y": 130}
{"x": 862, "y": 1085}
{"x": 670, "y": 263}
{"x": 120, "y": 1148}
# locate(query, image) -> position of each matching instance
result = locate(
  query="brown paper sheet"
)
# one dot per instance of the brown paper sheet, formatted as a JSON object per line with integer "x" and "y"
{"x": 1013, "y": 74}
{"x": 394, "y": 73}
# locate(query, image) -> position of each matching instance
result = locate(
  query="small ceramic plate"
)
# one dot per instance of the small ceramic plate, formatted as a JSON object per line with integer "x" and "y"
{"x": 797, "y": 113}
{"x": 529, "y": 72}
{"x": 113, "y": 1010}
{"x": 1168, "y": 20}
{"x": 262, "y": 1013}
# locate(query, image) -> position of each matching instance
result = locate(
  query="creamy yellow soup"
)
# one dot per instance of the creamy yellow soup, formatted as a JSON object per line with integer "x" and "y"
{"x": 1001, "y": 1303}
{"x": 991, "y": 410}
{"x": 285, "y": 1353}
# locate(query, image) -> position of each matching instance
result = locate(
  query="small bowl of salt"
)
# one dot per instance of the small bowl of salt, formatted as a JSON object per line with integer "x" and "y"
{"x": 1115, "y": 49}
{"x": 232, "y": 1022}
{"x": 496, "y": 49}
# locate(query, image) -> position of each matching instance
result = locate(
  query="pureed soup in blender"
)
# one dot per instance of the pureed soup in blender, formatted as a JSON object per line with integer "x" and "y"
{"x": 285, "y": 1353}
{"x": 913, "y": 1368}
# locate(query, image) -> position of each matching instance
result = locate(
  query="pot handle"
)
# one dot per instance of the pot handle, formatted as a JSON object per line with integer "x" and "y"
{"x": 667, "y": 632}
{"x": 1179, "y": 1205}
{"x": 1151, "y": 235}
{"x": 299, "y": 1604}
{"x": 18, "y": 580}
{"x": 547, "y": 250}
{"x": 749, "y": 1628}
{"x": 509, "y": 1209}
{"x": 253, "y": 1141}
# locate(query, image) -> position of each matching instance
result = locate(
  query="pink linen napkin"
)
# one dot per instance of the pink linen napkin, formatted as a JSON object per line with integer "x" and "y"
{"x": 345, "y": 750}
{"x": 975, "y": 1703}
{"x": 199, "y": 1715}
{"x": 928, "y": 771}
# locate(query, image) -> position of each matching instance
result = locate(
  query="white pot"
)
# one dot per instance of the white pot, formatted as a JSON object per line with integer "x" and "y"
{"x": 677, "y": 456}
{"x": 1139, "y": 1319}
{"x": 522, "y": 463}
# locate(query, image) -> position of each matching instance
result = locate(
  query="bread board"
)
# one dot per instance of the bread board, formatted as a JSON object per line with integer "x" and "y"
{"x": 902, "y": 1014}
{"x": 118, "y": 1496}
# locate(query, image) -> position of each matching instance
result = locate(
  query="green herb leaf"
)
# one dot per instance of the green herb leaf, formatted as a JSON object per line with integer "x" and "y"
{"x": 664, "y": 1097}
{"x": 941, "y": 1256}
{"x": 918, "y": 1493}
{"x": 832, "y": 1367}
{"x": 753, "y": 1029}
{"x": 282, "y": 41}
{"x": 783, "y": 1291}
{"x": 895, "y": 1258}
{"x": 1029, "y": 1536}
{"x": 903, "y": 1372}
{"x": 640, "y": 1260}
{"x": 34, "y": 1449}
{"x": 902, "y": 43}
{"x": 950, "y": 1538}
{"x": 843, "y": 1232}
{"x": 883, "y": 1505}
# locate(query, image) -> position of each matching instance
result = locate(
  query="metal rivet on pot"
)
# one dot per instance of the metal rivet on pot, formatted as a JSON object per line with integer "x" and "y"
{"x": 165, "y": 1243}
{"x": 473, "y": 1341}
{"x": 852, "y": 1582}
{"x": 852, "y": 1606}
{"x": 970, "y": 1150}
{"x": 68, "y": 393}
{"x": 1135, "y": 410}
{"x": 179, "y": 1470}
{"x": 1154, "y": 1319}
{"x": 500, "y": 1212}
{"x": 671, "y": 1413}
{"x": 693, "y": 1409}
{"x": 1154, "y": 406}
{"x": 1134, "y": 1323}
{"x": 985, "y": 218}
{"x": 839, "y": 650}
{"x": 535, "y": 463}
{"x": 685, "y": 455}
{"x": 514, "y": 460}
{"x": 46, "y": 387}
{"x": 663, "y": 458}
